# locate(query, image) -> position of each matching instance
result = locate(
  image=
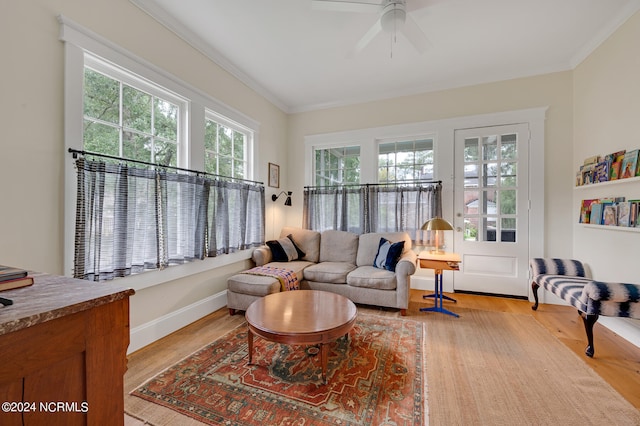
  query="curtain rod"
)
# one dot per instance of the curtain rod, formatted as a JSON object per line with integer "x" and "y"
{"x": 403, "y": 182}
{"x": 77, "y": 152}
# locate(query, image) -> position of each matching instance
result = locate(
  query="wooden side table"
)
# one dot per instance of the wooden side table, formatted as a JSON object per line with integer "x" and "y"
{"x": 439, "y": 262}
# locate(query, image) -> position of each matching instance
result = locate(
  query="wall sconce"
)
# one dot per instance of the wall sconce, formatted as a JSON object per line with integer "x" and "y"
{"x": 436, "y": 228}
{"x": 287, "y": 202}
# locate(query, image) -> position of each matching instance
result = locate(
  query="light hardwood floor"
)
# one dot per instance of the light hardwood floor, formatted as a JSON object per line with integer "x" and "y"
{"x": 616, "y": 360}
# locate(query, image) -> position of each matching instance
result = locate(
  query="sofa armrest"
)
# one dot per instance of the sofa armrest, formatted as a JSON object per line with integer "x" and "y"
{"x": 262, "y": 255}
{"x": 612, "y": 292}
{"x": 407, "y": 264}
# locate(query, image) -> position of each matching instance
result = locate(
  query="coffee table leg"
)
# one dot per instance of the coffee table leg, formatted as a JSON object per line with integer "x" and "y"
{"x": 323, "y": 360}
{"x": 250, "y": 341}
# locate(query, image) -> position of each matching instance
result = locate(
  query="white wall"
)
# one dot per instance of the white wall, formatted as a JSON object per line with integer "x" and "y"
{"x": 607, "y": 119}
{"x": 32, "y": 146}
{"x": 552, "y": 90}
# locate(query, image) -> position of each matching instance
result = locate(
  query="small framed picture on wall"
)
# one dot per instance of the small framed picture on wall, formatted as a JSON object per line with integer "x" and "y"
{"x": 274, "y": 175}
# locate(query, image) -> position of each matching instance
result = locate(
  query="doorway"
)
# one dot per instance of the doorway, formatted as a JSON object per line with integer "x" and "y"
{"x": 491, "y": 209}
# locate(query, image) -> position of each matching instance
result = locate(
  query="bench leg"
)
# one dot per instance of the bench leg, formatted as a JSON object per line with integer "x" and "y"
{"x": 589, "y": 322}
{"x": 535, "y": 287}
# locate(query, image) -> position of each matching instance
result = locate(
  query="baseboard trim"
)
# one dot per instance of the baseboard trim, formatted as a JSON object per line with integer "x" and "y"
{"x": 626, "y": 328}
{"x": 148, "y": 333}
{"x": 480, "y": 293}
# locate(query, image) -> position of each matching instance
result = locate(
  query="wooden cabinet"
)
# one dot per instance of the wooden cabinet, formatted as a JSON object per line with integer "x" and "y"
{"x": 63, "y": 362}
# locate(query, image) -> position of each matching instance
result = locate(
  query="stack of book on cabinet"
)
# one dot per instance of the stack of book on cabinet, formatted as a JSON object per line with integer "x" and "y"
{"x": 610, "y": 211}
{"x": 11, "y": 278}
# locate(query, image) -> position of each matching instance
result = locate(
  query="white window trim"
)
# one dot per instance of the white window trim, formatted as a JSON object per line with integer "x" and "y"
{"x": 443, "y": 149}
{"x": 119, "y": 74}
{"x": 79, "y": 40}
{"x": 248, "y": 132}
{"x": 368, "y": 141}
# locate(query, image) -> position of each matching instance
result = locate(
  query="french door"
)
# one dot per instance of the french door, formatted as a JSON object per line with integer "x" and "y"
{"x": 491, "y": 206}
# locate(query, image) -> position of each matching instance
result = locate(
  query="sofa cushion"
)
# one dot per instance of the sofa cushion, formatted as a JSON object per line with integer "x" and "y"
{"x": 285, "y": 249}
{"x": 368, "y": 245}
{"x": 388, "y": 254}
{"x": 338, "y": 246}
{"x": 253, "y": 285}
{"x": 329, "y": 272}
{"x": 307, "y": 240}
{"x": 372, "y": 277}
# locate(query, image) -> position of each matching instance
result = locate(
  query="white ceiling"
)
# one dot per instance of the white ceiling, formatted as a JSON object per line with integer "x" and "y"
{"x": 298, "y": 57}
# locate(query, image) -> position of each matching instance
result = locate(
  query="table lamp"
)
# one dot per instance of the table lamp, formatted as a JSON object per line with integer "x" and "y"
{"x": 437, "y": 225}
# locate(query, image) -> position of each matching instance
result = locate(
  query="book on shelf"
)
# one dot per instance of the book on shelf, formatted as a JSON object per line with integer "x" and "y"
{"x": 634, "y": 212}
{"x": 595, "y": 218}
{"x": 614, "y": 171}
{"x": 624, "y": 213}
{"x": 585, "y": 211}
{"x": 615, "y": 156}
{"x": 591, "y": 160}
{"x": 587, "y": 172}
{"x": 629, "y": 165}
{"x": 601, "y": 172}
{"x": 610, "y": 214}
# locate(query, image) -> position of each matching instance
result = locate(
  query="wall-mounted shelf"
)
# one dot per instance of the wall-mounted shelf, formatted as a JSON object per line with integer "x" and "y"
{"x": 609, "y": 182}
{"x": 610, "y": 227}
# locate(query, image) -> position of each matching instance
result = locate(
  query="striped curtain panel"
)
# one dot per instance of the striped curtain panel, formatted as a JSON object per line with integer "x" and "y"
{"x": 372, "y": 208}
{"x": 130, "y": 219}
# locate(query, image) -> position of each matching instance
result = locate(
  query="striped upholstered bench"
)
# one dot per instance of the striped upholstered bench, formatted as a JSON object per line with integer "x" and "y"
{"x": 570, "y": 280}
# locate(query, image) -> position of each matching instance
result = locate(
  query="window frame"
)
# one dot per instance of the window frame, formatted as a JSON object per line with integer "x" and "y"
{"x": 124, "y": 76}
{"x": 368, "y": 140}
{"x": 322, "y": 174}
{"x": 237, "y": 127}
{"x": 80, "y": 42}
{"x": 413, "y": 141}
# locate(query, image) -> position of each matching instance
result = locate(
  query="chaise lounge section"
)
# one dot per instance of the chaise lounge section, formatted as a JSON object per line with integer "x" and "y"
{"x": 335, "y": 261}
{"x": 570, "y": 280}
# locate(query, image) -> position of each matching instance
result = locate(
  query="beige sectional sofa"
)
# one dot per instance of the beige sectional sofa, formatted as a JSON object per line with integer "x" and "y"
{"x": 336, "y": 261}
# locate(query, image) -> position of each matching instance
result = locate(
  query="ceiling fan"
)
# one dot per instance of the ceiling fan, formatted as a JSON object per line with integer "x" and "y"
{"x": 393, "y": 17}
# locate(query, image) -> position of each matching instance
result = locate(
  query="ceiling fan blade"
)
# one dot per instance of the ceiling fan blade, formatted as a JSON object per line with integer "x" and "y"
{"x": 414, "y": 34}
{"x": 421, "y": 4}
{"x": 366, "y": 39}
{"x": 357, "y": 6}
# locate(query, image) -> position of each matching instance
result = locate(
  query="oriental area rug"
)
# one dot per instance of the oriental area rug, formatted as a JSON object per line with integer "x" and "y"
{"x": 375, "y": 377}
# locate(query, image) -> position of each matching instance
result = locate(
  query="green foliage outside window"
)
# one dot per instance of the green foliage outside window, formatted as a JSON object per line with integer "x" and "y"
{"x": 123, "y": 121}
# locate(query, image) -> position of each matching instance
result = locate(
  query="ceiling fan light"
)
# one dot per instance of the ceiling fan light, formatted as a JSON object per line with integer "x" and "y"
{"x": 393, "y": 17}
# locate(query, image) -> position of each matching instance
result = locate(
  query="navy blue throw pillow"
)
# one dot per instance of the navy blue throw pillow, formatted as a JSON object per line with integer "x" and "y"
{"x": 388, "y": 254}
{"x": 285, "y": 249}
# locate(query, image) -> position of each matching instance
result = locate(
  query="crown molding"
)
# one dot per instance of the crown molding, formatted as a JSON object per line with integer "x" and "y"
{"x": 612, "y": 26}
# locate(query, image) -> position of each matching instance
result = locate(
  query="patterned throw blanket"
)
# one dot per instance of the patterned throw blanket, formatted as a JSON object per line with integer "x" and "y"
{"x": 288, "y": 279}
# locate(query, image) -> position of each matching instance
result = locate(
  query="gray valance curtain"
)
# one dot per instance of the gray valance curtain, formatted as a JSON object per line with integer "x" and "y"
{"x": 372, "y": 208}
{"x": 132, "y": 219}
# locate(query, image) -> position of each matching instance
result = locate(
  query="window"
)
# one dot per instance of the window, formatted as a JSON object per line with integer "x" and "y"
{"x": 364, "y": 206}
{"x": 337, "y": 166}
{"x": 132, "y": 217}
{"x": 129, "y": 118}
{"x": 405, "y": 161}
{"x": 225, "y": 147}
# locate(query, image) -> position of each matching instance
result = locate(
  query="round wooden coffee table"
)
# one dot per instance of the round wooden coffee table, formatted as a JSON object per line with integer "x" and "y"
{"x": 301, "y": 317}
